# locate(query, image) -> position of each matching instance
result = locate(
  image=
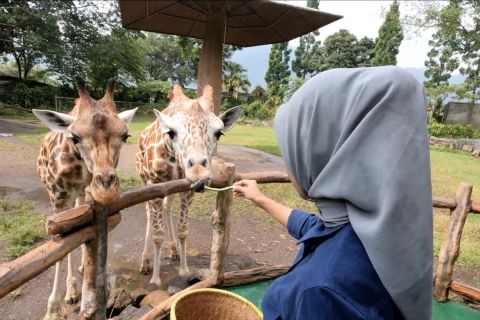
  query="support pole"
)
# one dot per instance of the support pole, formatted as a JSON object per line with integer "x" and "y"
{"x": 210, "y": 65}
{"x": 451, "y": 245}
{"x": 221, "y": 225}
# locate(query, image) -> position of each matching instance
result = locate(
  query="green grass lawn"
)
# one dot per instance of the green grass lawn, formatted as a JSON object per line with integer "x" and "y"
{"x": 449, "y": 168}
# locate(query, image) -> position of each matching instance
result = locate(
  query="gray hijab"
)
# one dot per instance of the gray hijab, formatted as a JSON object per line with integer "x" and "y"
{"x": 356, "y": 140}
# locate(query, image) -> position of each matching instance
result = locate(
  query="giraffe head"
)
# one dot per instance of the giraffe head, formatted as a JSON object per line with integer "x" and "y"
{"x": 96, "y": 130}
{"x": 194, "y": 130}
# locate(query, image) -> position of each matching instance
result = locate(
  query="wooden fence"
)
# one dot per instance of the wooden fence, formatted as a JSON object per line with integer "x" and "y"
{"x": 89, "y": 224}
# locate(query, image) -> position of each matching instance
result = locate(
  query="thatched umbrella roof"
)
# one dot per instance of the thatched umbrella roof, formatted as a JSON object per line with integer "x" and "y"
{"x": 249, "y": 23}
{"x": 242, "y": 22}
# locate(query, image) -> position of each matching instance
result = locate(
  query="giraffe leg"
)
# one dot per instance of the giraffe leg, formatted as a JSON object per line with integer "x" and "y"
{"x": 167, "y": 216}
{"x": 158, "y": 238}
{"x": 182, "y": 231}
{"x": 54, "y": 299}
{"x": 147, "y": 254}
{"x": 71, "y": 296}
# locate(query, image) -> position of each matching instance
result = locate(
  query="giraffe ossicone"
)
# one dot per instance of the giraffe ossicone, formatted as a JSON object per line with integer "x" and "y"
{"x": 77, "y": 160}
{"x": 178, "y": 144}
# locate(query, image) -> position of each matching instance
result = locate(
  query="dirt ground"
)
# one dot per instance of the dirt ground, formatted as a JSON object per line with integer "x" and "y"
{"x": 253, "y": 242}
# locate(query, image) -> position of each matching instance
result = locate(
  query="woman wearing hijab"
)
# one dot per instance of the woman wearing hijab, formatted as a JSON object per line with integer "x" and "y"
{"x": 355, "y": 142}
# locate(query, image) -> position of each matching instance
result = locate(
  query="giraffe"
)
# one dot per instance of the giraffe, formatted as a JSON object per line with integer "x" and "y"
{"x": 178, "y": 144}
{"x": 77, "y": 160}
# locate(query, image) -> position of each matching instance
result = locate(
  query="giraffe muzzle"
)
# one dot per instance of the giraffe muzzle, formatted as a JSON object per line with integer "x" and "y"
{"x": 199, "y": 186}
{"x": 106, "y": 181}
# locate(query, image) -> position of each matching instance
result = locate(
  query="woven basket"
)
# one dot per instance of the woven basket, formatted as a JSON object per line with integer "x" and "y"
{"x": 213, "y": 304}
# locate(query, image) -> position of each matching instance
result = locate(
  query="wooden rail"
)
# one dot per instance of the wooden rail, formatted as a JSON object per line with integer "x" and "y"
{"x": 15, "y": 273}
{"x": 78, "y": 225}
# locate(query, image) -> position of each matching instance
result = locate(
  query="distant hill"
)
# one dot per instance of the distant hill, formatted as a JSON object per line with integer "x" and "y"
{"x": 255, "y": 60}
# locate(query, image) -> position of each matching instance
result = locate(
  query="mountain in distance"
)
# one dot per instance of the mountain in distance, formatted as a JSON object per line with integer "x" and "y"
{"x": 255, "y": 60}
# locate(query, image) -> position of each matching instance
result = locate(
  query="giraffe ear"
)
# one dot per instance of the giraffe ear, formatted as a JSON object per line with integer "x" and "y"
{"x": 230, "y": 117}
{"x": 127, "y": 116}
{"x": 166, "y": 123}
{"x": 56, "y": 121}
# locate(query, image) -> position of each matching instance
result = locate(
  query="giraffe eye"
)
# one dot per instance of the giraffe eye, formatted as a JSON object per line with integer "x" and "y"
{"x": 125, "y": 137}
{"x": 218, "y": 134}
{"x": 74, "y": 138}
{"x": 172, "y": 134}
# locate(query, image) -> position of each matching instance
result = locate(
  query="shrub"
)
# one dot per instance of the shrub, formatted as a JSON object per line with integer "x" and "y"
{"x": 29, "y": 95}
{"x": 454, "y": 131}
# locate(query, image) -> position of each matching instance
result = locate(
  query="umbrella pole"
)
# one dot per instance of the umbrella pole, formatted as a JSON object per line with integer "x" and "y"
{"x": 210, "y": 65}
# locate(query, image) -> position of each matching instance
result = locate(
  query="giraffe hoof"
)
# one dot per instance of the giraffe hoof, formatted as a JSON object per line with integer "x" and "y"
{"x": 173, "y": 256}
{"x": 145, "y": 268}
{"x": 51, "y": 316}
{"x": 184, "y": 272}
{"x": 71, "y": 299}
{"x": 80, "y": 269}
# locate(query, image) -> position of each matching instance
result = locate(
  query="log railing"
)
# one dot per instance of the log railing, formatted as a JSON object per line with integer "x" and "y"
{"x": 81, "y": 225}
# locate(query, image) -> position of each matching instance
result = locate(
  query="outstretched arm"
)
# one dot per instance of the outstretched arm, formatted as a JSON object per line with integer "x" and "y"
{"x": 249, "y": 189}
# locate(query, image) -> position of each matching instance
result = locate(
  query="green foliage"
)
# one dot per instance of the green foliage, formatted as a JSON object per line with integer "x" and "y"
{"x": 29, "y": 94}
{"x": 308, "y": 53}
{"x": 454, "y": 131}
{"x": 278, "y": 73}
{"x": 156, "y": 91}
{"x": 258, "y": 110}
{"x": 171, "y": 58}
{"x": 457, "y": 25}
{"x": 118, "y": 54}
{"x": 20, "y": 229}
{"x": 235, "y": 79}
{"x": 343, "y": 50}
{"x": 390, "y": 37}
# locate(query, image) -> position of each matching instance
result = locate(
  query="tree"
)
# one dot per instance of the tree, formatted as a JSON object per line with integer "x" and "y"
{"x": 457, "y": 24}
{"x": 118, "y": 54}
{"x": 390, "y": 37}
{"x": 34, "y": 32}
{"x": 339, "y": 51}
{"x": 278, "y": 73}
{"x": 365, "y": 47}
{"x": 167, "y": 59}
{"x": 235, "y": 79}
{"x": 307, "y": 54}
{"x": 258, "y": 94}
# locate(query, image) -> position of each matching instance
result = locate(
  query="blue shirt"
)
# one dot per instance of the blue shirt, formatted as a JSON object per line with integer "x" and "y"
{"x": 331, "y": 277}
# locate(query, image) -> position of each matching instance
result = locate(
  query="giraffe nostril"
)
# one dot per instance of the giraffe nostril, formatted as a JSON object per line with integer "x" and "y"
{"x": 105, "y": 181}
{"x": 189, "y": 164}
{"x": 203, "y": 162}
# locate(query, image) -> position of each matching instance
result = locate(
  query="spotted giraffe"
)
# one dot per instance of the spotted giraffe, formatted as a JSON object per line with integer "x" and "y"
{"x": 178, "y": 144}
{"x": 78, "y": 159}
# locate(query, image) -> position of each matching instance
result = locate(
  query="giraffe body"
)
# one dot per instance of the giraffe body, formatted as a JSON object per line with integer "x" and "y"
{"x": 77, "y": 161}
{"x": 178, "y": 144}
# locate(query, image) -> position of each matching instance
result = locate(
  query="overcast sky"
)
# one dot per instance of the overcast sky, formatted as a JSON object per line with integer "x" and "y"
{"x": 364, "y": 18}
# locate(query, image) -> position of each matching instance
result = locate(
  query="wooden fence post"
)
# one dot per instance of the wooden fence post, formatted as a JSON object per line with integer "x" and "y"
{"x": 101, "y": 213}
{"x": 451, "y": 245}
{"x": 94, "y": 289}
{"x": 221, "y": 225}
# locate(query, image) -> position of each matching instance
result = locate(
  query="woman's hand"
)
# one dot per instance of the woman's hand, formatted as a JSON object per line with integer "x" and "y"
{"x": 247, "y": 189}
